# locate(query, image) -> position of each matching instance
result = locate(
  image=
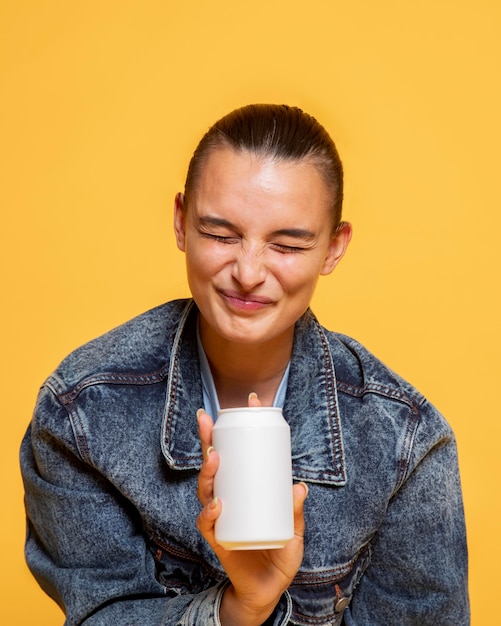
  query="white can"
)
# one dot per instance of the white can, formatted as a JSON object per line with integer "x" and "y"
{"x": 254, "y": 479}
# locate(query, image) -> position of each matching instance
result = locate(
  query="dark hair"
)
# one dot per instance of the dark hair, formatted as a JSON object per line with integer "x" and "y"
{"x": 277, "y": 131}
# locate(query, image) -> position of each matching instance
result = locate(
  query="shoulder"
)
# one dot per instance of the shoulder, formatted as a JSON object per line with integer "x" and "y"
{"x": 385, "y": 406}
{"x": 361, "y": 374}
{"x": 358, "y": 370}
{"x": 138, "y": 347}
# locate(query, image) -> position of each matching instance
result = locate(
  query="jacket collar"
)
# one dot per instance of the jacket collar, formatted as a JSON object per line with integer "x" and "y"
{"x": 311, "y": 405}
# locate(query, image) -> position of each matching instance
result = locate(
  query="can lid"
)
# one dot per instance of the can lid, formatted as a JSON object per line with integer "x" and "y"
{"x": 251, "y": 409}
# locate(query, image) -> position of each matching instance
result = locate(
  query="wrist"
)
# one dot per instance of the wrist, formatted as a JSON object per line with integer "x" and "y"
{"x": 235, "y": 612}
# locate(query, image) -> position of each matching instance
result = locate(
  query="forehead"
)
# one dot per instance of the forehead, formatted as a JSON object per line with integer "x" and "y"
{"x": 228, "y": 178}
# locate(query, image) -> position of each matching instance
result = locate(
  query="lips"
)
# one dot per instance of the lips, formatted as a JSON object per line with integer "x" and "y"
{"x": 245, "y": 301}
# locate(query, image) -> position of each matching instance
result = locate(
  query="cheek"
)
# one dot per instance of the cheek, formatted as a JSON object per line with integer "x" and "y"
{"x": 296, "y": 274}
{"x": 204, "y": 261}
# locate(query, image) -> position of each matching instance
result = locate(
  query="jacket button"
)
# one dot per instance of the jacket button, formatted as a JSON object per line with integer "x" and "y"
{"x": 341, "y": 604}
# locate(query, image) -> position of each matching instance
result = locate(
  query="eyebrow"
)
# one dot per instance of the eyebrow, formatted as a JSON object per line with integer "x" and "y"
{"x": 209, "y": 220}
{"x": 297, "y": 233}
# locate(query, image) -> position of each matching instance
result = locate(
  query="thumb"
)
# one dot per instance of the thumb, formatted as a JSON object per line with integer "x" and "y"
{"x": 254, "y": 400}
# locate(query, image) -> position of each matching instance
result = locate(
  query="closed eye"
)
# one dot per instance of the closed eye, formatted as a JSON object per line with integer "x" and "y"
{"x": 220, "y": 238}
{"x": 207, "y": 224}
{"x": 287, "y": 249}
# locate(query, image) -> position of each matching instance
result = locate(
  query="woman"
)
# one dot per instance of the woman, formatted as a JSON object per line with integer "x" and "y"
{"x": 114, "y": 459}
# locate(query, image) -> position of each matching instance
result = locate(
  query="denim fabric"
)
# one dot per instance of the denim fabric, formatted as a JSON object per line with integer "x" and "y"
{"x": 110, "y": 465}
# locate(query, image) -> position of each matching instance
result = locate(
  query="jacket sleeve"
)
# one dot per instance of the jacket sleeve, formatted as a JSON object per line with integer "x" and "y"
{"x": 85, "y": 544}
{"x": 418, "y": 570}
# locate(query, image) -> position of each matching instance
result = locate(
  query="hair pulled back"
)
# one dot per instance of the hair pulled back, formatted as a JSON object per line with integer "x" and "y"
{"x": 275, "y": 131}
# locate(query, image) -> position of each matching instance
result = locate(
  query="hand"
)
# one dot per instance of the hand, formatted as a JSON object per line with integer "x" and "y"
{"x": 258, "y": 577}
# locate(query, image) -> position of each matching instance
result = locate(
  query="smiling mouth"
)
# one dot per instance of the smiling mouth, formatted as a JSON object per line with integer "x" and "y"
{"x": 245, "y": 301}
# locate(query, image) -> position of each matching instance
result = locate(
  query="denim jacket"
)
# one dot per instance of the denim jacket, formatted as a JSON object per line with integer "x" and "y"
{"x": 110, "y": 464}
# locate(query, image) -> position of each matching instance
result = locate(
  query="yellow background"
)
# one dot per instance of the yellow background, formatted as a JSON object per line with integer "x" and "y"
{"x": 101, "y": 104}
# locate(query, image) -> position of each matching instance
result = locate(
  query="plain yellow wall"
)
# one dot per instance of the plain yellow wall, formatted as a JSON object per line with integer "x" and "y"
{"x": 101, "y": 104}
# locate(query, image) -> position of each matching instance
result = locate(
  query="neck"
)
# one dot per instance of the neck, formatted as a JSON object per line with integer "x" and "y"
{"x": 238, "y": 369}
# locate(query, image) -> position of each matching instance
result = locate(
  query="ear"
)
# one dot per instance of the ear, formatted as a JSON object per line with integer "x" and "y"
{"x": 337, "y": 247}
{"x": 180, "y": 221}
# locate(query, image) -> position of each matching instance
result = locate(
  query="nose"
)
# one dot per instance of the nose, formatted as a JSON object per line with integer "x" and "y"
{"x": 249, "y": 268}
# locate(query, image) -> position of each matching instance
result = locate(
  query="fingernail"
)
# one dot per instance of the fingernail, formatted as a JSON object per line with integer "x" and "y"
{"x": 305, "y": 486}
{"x": 209, "y": 450}
{"x": 253, "y": 395}
{"x": 214, "y": 502}
{"x": 199, "y": 412}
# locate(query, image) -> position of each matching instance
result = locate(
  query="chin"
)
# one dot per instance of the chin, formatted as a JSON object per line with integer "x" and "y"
{"x": 241, "y": 333}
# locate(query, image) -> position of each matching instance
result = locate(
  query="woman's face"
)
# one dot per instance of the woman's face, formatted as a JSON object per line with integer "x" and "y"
{"x": 257, "y": 234}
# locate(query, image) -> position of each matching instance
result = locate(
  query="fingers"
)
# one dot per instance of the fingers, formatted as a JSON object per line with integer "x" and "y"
{"x": 211, "y": 459}
{"x": 300, "y": 493}
{"x": 205, "y": 490}
{"x": 207, "y": 519}
{"x": 211, "y": 506}
{"x": 205, "y": 425}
